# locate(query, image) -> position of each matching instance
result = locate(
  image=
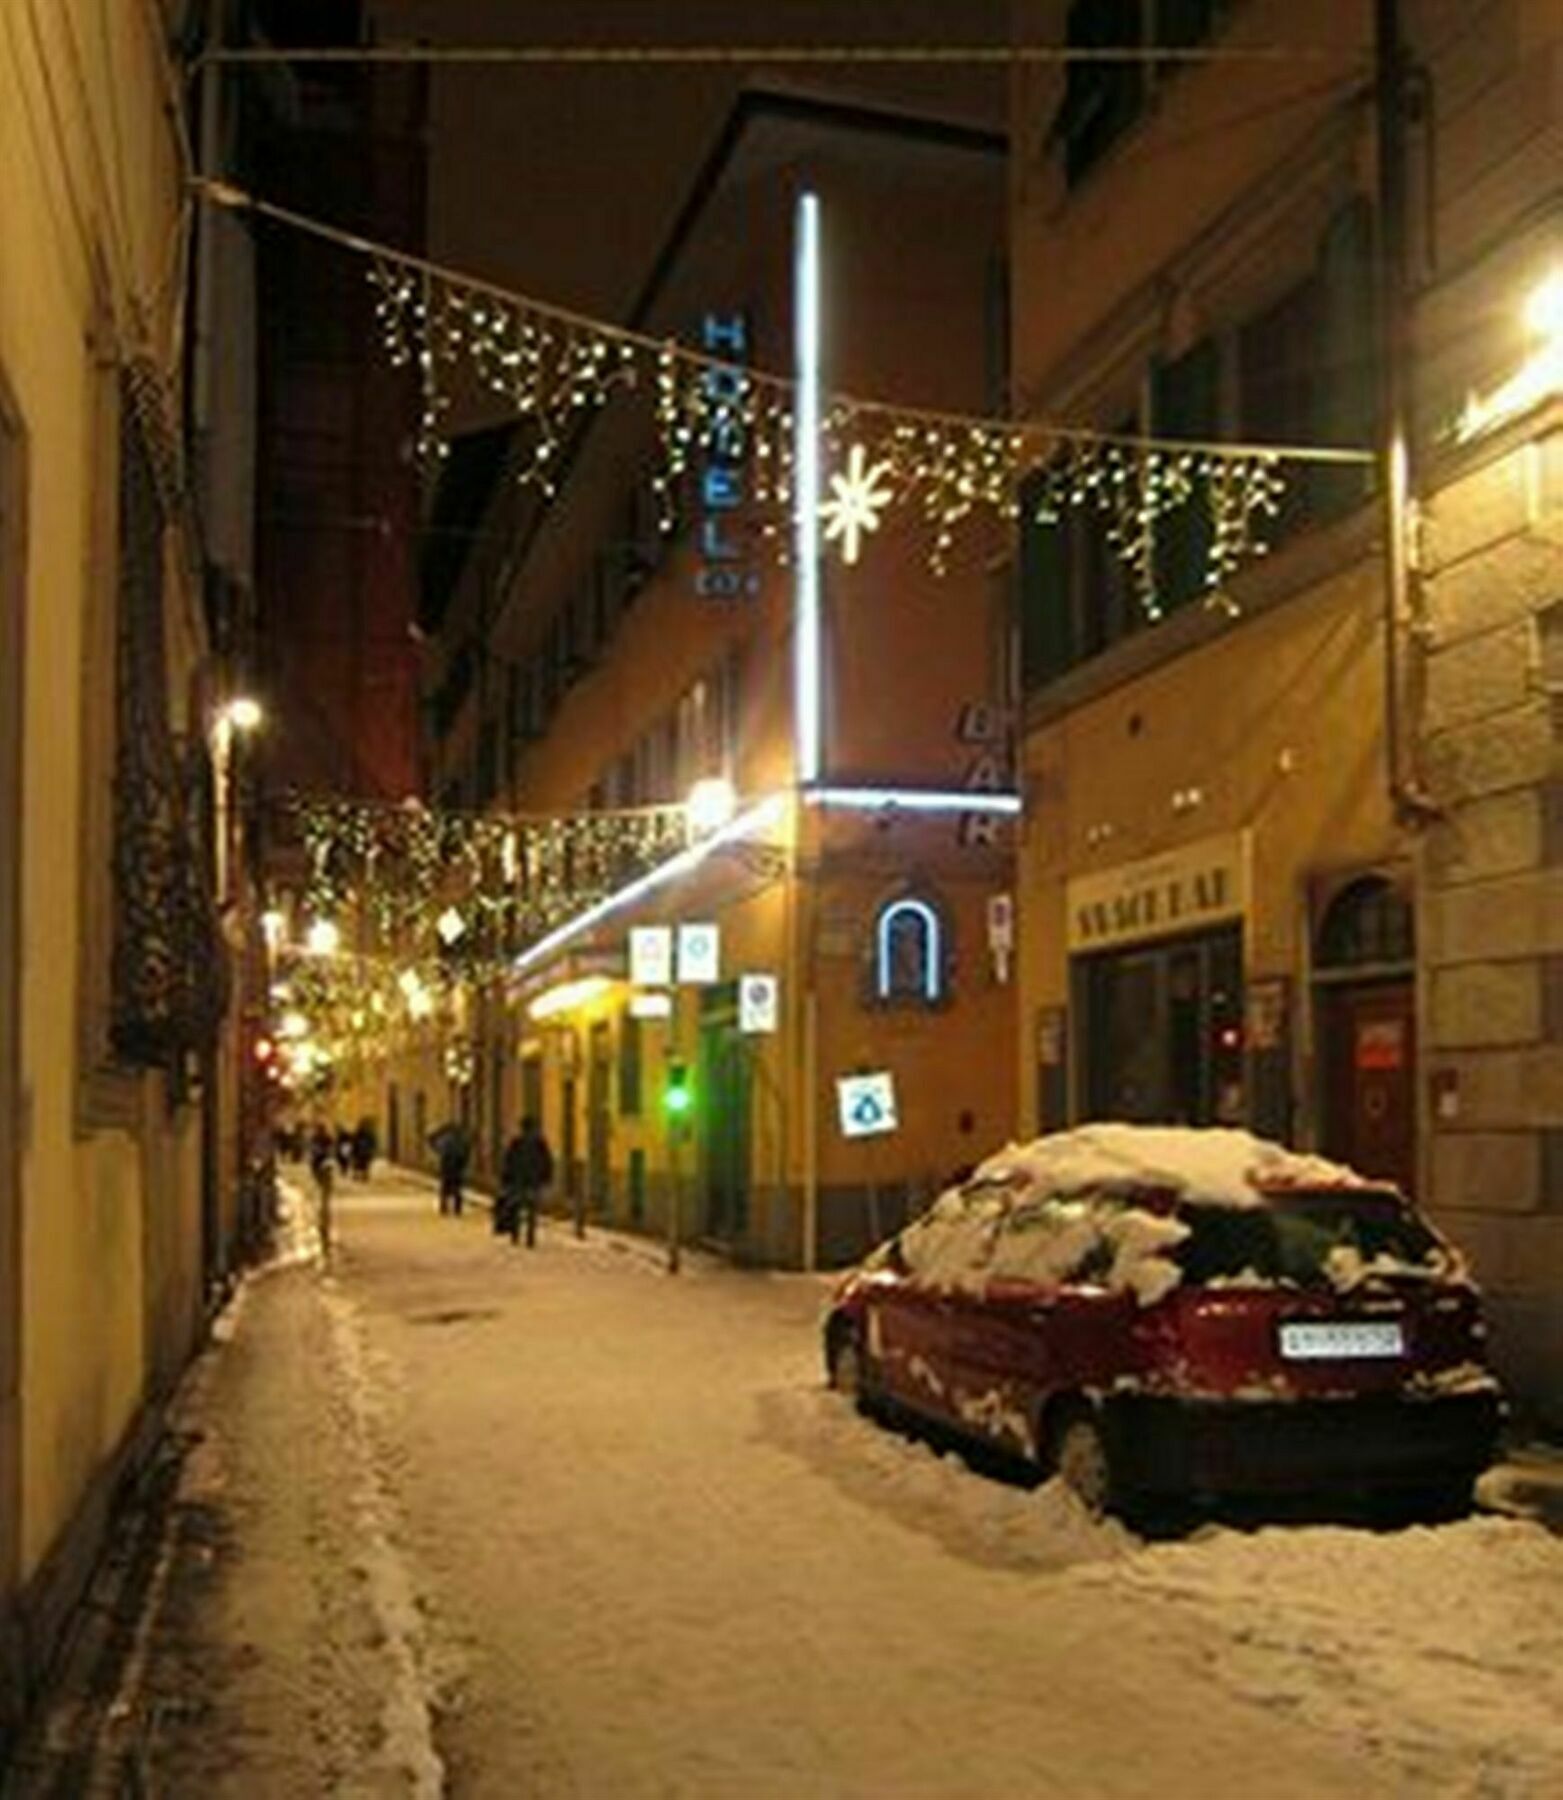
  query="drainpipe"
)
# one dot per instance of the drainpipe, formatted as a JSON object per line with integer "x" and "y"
{"x": 1412, "y": 804}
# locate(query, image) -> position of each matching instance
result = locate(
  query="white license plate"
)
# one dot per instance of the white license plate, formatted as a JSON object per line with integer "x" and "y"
{"x": 1322, "y": 1343}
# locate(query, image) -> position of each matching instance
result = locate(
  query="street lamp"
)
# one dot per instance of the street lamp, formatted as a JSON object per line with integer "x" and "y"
{"x": 324, "y": 938}
{"x": 1543, "y": 311}
{"x": 711, "y": 805}
{"x": 242, "y": 713}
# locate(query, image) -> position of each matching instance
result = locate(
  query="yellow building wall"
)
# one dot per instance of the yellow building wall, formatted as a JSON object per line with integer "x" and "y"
{"x": 1276, "y": 722}
{"x": 71, "y": 244}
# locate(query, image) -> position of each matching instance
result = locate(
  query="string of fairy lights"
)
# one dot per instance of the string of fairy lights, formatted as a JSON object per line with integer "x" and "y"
{"x": 405, "y": 912}
{"x": 554, "y": 369}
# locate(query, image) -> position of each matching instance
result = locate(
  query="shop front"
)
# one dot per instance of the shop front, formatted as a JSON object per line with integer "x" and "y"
{"x": 1156, "y": 987}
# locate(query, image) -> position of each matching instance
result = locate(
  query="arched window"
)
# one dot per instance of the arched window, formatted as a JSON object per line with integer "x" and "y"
{"x": 1367, "y": 924}
{"x": 909, "y": 953}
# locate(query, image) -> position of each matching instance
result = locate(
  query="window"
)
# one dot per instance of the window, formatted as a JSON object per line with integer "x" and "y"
{"x": 1103, "y": 99}
{"x": 630, "y": 1066}
{"x": 1368, "y": 924}
{"x": 1185, "y": 403}
{"x": 1302, "y": 371}
{"x": 1076, "y": 596}
{"x": 910, "y": 950}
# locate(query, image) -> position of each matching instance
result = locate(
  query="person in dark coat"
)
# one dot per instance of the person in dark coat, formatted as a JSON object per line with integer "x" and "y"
{"x": 322, "y": 1157}
{"x": 451, "y": 1145}
{"x": 365, "y": 1144}
{"x": 527, "y": 1169}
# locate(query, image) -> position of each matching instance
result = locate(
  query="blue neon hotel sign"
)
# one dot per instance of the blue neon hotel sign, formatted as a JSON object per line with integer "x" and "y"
{"x": 725, "y": 565}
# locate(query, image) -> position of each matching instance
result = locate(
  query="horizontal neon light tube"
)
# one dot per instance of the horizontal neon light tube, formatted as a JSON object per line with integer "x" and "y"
{"x": 872, "y": 799}
{"x": 764, "y": 813}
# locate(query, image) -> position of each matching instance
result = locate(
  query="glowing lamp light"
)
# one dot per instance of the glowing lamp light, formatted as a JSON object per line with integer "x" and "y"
{"x": 324, "y": 938}
{"x": 1538, "y": 379}
{"x": 263, "y": 1049}
{"x": 294, "y": 1025}
{"x": 711, "y": 805}
{"x": 1543, "y": 312}
{"x": 242, "y": 713}
{"x": 567, "y": 996}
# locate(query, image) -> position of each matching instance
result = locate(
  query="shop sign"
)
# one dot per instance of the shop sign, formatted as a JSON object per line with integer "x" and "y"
{"x": 1381, "y": 1044}
{"x": 725, "y": 570}
{"x": 982, "y": 724}
{"x": 866, "y": 1104}
{"x": 699, "y": 954}
{"x": 651, "y": 955}
{"x": 1179, "y": 891}
{"x": 757, "y": 995}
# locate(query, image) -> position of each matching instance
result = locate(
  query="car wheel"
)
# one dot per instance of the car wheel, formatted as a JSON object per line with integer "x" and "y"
{"x": 845, "y": 1366}
{"x": 1082, "y": 1461}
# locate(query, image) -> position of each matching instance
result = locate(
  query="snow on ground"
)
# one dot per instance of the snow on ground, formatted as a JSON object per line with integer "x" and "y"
{"x": 647, "y": 1554}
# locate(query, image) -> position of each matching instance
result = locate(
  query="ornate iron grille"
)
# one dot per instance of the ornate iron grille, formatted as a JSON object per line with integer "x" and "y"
{"x": 167, "y": 967}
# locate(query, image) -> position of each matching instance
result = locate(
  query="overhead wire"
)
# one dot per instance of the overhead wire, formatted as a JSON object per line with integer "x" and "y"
{"x": 675, "y": 55}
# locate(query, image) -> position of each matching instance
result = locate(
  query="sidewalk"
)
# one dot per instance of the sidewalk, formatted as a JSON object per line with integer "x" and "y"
{"x": 252, "y": 1629}
{"x": 1527, "y": 1483}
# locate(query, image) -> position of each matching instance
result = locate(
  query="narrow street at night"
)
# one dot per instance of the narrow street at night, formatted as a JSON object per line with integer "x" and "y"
{"x": 463, "y": 1518}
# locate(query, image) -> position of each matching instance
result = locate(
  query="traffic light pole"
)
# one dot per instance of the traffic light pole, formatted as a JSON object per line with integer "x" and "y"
{"x": 675, "y": 1110}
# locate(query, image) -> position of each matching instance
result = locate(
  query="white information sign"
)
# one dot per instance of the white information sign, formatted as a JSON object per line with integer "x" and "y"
{"x": 651, "y": 1006}
{"x": 699, "y": 953}
{"x": 866, "y": 1103}
{"x": 757, "y": 995}
{"x": 651, "y": 955}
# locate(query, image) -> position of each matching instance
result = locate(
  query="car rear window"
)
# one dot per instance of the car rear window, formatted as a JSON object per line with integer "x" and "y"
{"x": 1325, "y": 1238}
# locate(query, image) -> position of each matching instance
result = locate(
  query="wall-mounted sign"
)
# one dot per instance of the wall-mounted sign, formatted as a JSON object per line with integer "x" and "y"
{"x": 1381, "y": 1044}
{"x": 651, "y": 1006}
{"x": 726, "y": 567}
{"x": 757, "y": 997}
{"x": 1001, "y": 933}
{"x": 866, "y": 1104}
{"x": 699, "y": 954}
{"x": 982, "y": 723}
{"x": 1196, "y": 885}
{"x": 1264, "y": 1013}
{"x": 651, "y": 955}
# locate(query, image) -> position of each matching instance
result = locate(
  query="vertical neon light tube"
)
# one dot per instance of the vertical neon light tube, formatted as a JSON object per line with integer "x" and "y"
{"x": 805, "y": 460}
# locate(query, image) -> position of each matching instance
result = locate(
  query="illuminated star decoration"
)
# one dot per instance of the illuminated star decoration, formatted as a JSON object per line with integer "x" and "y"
{"x": 856, "y": 501}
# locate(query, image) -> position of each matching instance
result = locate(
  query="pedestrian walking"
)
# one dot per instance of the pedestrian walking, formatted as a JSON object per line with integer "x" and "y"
{"x": 451, "y": 1146}
{"x": 365, "y": 1143}
{"x": 527, "y": 1169}
{"x": 322, "y": 1165}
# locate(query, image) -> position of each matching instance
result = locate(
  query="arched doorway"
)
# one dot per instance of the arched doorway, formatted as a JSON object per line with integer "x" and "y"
{"x": 1365, "y": 1008}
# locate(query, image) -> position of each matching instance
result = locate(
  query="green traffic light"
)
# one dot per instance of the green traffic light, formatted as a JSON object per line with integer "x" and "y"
{"x": 677, "y": 1097}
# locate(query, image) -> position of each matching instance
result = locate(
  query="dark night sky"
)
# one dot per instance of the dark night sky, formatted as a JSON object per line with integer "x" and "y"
{"x": 563, "y": 181}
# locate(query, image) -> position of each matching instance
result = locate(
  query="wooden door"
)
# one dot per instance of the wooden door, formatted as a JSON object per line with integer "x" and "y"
{"x": 1370, "y": 1079}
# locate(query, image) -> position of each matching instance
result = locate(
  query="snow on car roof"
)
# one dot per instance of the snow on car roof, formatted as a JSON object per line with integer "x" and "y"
{"x": 1211, "y": 1165}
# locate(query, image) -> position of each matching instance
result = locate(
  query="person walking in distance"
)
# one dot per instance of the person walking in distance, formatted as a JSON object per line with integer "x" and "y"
{"x": 527, "y": 1169}
{"x": 451, "y": 1146}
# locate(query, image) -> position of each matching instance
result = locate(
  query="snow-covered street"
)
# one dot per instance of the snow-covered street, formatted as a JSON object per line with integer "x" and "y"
{"x": 471, "y": 1519}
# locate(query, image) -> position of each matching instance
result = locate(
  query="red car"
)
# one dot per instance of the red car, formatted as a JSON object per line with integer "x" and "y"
{"x": 1158, "y": 1313}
